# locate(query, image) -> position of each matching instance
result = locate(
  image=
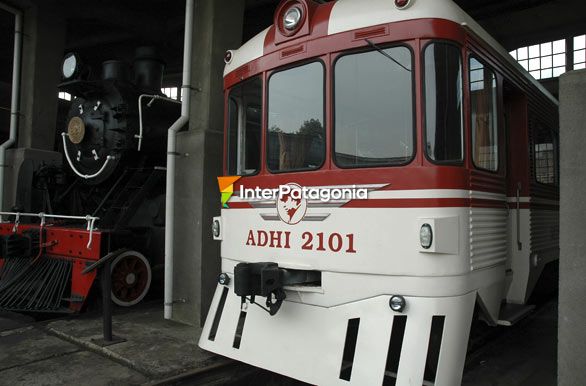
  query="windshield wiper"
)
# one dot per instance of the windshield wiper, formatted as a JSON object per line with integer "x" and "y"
{"x": 385, "y": 54}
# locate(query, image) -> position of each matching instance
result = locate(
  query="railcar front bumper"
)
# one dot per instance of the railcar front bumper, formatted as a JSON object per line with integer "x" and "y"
{"x": 358, "y": 343}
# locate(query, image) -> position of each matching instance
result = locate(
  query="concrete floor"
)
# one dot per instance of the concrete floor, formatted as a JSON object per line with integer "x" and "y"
{"x": 523, "y": 355}
{"x": 63, "y": 352}
{"x": 159, "y": 352}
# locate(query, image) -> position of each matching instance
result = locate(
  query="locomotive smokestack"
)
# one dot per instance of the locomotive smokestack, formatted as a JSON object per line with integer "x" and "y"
{"x": 115, "y": 70}
{"x": 148, "y": 69}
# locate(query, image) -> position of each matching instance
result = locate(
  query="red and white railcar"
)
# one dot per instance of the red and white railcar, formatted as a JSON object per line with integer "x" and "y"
{"x": 457, "y": 147}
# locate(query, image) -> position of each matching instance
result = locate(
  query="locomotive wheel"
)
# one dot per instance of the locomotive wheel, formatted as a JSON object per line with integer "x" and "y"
{"x": 131, "y": 278}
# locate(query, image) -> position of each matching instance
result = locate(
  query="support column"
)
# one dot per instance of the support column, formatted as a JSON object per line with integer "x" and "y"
{"x": 43, "y": 42}
{"x": 217, "y": 28}
{"x": 42, "y": 54}
{"x": 572, "y": 299}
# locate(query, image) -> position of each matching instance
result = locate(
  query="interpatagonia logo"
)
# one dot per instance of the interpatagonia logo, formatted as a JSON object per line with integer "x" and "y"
{"x": 227, "y": 188}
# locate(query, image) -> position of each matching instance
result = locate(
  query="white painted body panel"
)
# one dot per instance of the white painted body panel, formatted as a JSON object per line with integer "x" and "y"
{"x": 389, "y": 260}
{"x": 307, "y": 342}
{"x": 387, "y": 241}
{"x": 540, "y": 246}
{"x": 251, "y": 50}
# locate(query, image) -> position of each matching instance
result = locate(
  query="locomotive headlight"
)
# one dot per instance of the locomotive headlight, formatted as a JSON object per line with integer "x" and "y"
{"x": 397, "y": 303}
{"x": 71, "y": 65}
{"x": 292, "y": 17}
{"x": 426, "y": 236}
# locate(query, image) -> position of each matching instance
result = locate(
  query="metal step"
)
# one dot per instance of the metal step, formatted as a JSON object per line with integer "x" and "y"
{"x": 512, "y": 313}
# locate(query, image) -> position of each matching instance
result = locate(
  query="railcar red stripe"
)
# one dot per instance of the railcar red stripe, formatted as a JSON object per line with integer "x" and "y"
{"x": 429, "y": 203}
{"x": 410, "y": 203}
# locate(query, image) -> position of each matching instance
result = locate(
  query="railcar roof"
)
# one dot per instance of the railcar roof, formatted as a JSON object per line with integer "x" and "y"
{"x": 348, "y": 15}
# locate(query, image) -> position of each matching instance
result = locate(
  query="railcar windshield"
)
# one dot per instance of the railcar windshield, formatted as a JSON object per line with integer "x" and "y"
{"x": 244, "y": 127}
{"x": 443, "y": 103}
{"x": 296, "y": 132}
{"x": 373, "y": 106}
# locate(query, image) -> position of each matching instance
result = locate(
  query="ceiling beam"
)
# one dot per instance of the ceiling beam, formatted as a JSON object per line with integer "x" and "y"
{"x": 549, "y": 21}
{"x": 79, "y": 42}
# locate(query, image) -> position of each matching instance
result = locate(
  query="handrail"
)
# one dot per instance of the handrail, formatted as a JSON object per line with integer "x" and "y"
{"x": 91, "y": 221}
{"x": 85, "y": 176}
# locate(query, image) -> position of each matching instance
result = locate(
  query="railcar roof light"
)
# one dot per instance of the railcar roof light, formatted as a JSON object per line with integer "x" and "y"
{"x": 402, "y": 4}
{"x": 292, "y": 17}
{"x": 228, "y": 56}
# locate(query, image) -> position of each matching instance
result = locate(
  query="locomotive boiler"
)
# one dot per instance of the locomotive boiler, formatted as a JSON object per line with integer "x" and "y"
{"x": 111, "y": 180}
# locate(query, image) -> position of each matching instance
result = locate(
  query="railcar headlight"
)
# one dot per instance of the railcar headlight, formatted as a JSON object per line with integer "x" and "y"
{"x": 71, "y": 66}
{"x": 216, "y": 228}
{"x": 402, "y": 4}
{"x": 224, "y": 279}
{"x": 426, "y": 236}
{"x": 228, "y": 56}
{"x": 292, "y": 17}
{"x": 397, "y": 303}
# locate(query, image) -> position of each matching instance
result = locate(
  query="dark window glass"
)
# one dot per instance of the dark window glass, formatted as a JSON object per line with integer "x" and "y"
{"x": 296, "y": 134}
{"x": 244, "y": 125}
{"x": 484, "y": 116}
{"x": 374, "y": 108}
{"x": 545, "y": 156}
{"x": 443, "y": 102}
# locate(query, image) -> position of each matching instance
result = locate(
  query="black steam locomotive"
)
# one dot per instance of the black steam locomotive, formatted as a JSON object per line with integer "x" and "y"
{"x": 113, "y": 140}
{"x": 103, "y": 131}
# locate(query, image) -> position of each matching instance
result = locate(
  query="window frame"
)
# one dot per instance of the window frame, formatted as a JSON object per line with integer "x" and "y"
{"x": 265, "y": 132}
{"x": 227, "y": 118}
{"x": 472, "y": 55}
{"x": 460, "y": 48}
{"x": 414, "y": 74}
{"x": 556, "y": 152}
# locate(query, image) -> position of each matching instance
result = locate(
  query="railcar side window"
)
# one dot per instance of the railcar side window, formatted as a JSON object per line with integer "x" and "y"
{"x": 483, "y": 102}
{"x": 244, "y": 127}
{"x": 545, "y": 156}
{"x": 374, "y": 108}
{"x": 443, "y": 102}
{"x": 296, "y": 133}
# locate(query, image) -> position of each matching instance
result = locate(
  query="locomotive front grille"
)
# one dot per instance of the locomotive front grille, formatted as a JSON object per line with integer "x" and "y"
{"x": 29, "y": 285}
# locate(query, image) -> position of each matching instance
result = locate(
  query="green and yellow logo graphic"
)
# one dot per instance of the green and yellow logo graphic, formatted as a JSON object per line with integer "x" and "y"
{"x": 227, "y": 188}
